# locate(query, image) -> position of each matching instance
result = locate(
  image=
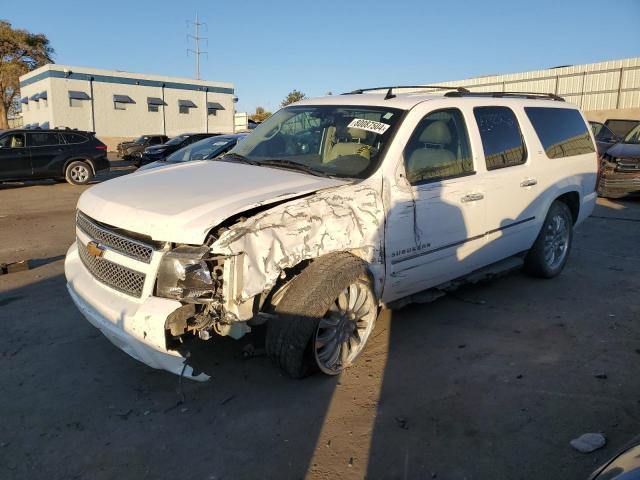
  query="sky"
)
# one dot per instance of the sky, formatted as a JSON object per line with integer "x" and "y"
{"x": 268, "y": 48}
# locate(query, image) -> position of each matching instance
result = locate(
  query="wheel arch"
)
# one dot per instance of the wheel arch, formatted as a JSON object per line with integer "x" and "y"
{"x": 572, "y": 200}
{"x": 78, "y": 159}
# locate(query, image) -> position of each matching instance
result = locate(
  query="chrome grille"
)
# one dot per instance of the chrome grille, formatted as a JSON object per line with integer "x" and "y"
{"x": 111, "y": 274}
{"x": 126, "y": 246}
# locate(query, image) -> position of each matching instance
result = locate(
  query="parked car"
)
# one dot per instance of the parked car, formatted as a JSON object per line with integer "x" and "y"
{"x": 625, "y": 464}
{"x": 206, "y": 149}
{"x": 73, "y": 155}
{"x": 133, "y": 150}
{"x": 160, "y": 152}
{"x": 620, "y": 168}
{"x": 329, "y": 210}
{"x": 605, "y": 138}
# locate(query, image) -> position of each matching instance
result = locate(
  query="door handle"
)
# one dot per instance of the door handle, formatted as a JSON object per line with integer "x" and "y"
{"x": 529, "y": 182}
{"x": 472, "y": 197}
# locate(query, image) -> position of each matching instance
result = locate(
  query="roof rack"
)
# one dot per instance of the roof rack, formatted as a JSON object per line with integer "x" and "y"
{"x": 390, "y": 94}
{"x": 530, "y": 95}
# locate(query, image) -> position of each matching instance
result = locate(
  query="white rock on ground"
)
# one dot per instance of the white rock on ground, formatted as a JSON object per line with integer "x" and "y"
{"x": 588, "y": 442}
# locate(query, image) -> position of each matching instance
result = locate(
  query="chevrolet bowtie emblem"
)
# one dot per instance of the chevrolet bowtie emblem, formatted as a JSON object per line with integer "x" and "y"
{"x": 94, "y": 249}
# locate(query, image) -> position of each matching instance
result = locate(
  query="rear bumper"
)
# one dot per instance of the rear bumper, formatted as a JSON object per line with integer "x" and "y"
{"x": 135, "y": 326}
{"x": 586, "y": 209}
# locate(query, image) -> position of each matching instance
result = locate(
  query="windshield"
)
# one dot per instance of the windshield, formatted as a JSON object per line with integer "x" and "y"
{"x": 633, "y": 136}
{"x": 176, "y": 140}
{"x": 204, "y": 149}
{"x": 345, "y": 141}
{"x": 141, "y": 139}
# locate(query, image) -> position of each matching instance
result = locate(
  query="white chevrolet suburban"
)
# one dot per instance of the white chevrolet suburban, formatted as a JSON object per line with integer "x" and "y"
{"x": 329, "y": 210}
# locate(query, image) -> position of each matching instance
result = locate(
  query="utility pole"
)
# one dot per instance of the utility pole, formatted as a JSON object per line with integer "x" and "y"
{"x": 197, "y": 52}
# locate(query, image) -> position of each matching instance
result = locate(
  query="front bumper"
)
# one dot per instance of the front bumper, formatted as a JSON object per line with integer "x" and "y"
{"x": 136, "y": 326}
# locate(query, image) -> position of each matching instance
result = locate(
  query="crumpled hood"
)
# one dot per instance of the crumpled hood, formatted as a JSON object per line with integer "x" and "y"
{"x": 625, "y": 150}
{"x": 181, "y": 203}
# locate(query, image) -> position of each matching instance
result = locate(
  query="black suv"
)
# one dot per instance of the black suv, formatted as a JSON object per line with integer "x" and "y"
{"x": 133, "y": 150}
{"x": 72, "y": 155}
{"x": 160, "y": 152}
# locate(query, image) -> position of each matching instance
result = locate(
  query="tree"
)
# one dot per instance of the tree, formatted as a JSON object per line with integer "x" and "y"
{"x": 261, "y": 115}
{"x": 294, "y": 96}
{"x": 20, "y": 52}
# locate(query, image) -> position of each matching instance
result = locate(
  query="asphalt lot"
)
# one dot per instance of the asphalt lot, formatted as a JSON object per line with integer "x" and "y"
{"x": 491, "y": 382}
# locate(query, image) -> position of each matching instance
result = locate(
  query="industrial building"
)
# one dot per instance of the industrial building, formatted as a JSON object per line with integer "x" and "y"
{"x": 121, "y": 105}
{"x": 602, "y": 90}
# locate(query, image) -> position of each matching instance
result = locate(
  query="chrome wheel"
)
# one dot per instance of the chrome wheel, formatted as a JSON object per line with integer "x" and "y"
{"x": 344, "y": 330}
{"x": 556, "y": 241}
{"x": 79, "y": 173}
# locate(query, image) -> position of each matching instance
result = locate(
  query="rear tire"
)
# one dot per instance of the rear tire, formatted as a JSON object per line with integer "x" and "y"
{"x": 78, "y": 173}
{"x": 550, "y": 252}
{"x": 324, "y": 318}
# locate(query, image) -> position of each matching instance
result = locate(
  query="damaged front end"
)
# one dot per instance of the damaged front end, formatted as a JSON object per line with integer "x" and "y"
{"x": 619, "y": 176}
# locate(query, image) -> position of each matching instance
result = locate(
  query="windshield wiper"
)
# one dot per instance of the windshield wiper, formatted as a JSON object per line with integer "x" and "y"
{"x": 301, "y": 167}
{"x": 239, "y": 158}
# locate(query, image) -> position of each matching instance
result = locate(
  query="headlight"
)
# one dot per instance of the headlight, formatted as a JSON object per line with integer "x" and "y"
{"x": 184, "y": 275}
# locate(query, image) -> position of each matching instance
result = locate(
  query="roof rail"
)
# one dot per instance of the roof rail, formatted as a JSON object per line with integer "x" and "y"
{"x": 390, "y": 89}
{"x": 530, "y": 95}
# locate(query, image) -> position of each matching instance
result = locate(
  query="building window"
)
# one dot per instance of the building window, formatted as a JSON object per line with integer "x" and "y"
{"x": 212, "y": 112}
{"x": 76, "y": 98}
{"x": 120, "y": 101}
{"x": 44, "y": 103}
{"x": 184, "y": 106}
{"x": 213, "y": 107}
{"x": 76, "y": 102}
{"x": 153, "y": 108}
{"x": 119, "y": 105}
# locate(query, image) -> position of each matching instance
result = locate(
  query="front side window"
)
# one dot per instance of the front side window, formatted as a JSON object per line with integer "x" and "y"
{"x": 334, "y": 140}
{"x": 42, "y": 139}
{"x": 562, "y": 131}
{"x": 501, "y": 138}
{"x": 14, "y": 140}
{"x": 439, "y": 148}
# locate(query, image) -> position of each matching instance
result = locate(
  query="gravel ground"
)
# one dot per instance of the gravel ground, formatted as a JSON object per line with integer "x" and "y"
{"x": 490, "y": 382}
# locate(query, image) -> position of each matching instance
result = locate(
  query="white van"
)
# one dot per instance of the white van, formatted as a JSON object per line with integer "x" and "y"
{"x": 329, "y": 210}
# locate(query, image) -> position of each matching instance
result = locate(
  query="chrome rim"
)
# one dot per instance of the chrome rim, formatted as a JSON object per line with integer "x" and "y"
{"x": 556, "y": 241}
{"x": 79, "y": 173}
{"x": 344, "y": 330}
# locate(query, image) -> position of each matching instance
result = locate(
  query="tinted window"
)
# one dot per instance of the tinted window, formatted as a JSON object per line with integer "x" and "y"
{"x": 562, "y": 131}
{"x": 41, "y": 139}
{"x": 155, "y": 141}
{"x": 633, "y": 136}
{"x": 621, "y": 127}
{"x": 501, "y": 138}
{"x": 439, "y": 148}
{"x": 74, "y": 138}
{"x": 15, "y": 140}
{"x": 596, "y": 127}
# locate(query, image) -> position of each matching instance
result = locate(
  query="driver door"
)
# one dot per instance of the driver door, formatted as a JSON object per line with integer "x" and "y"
{"x": 15, "y": 160}
{"x": 436, "y": 220}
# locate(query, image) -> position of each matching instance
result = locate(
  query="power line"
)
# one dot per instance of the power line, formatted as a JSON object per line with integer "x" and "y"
{"x": 196, "y": 38}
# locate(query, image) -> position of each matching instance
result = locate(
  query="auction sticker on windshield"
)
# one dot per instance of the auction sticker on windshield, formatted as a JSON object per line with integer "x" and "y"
{"x": 368, "y": 125}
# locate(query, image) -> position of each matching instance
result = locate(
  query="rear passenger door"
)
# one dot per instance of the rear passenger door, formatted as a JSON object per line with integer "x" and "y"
{"x": 48, "y": 153}
{"x": 511, "y": 182}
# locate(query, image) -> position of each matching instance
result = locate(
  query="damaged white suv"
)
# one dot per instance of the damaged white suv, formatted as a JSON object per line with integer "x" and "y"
{"x": 329, "y": 210}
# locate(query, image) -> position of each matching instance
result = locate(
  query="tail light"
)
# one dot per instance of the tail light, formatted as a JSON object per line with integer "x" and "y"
{"x": 101, "y": 147}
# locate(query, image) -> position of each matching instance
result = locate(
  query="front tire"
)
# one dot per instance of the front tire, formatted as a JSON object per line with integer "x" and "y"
{"x": 550, "y": 252}
{"x": 324, "y": 318}
{"x": 78, "y": 173}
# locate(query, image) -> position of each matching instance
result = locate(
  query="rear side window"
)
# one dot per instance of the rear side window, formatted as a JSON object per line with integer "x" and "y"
{"x": 562, "y": 131}
{"x": 43, "y": 139}
{"x": 501, "y": 137}
{"x": 74, "y": 138}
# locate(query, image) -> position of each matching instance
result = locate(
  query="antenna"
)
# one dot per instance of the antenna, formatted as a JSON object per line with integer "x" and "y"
{"x": 197, "y": 52}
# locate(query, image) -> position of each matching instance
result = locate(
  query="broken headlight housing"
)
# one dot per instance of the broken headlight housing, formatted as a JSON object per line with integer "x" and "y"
{"x": 184, "y": 275}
